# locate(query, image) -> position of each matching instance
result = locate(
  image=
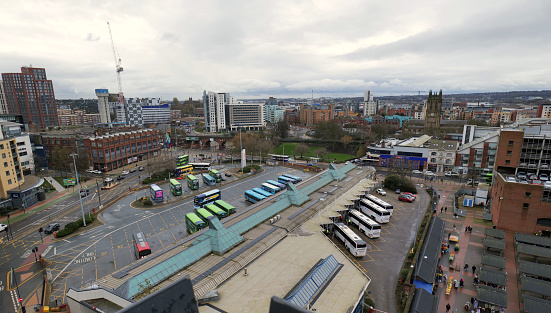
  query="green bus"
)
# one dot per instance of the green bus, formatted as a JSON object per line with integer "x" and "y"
{"x": 204, "y": 214}
{"x": 194, "y": 223}
{"x": 216, "y": 175}
{"x": 230, "y": 209}
{"x": 175, "y": 187}
{"x": 218, "y": 212}
{"x": 192, "y": 182}
{"x": 487, "y": 176}
{"x": 182, "y": 160}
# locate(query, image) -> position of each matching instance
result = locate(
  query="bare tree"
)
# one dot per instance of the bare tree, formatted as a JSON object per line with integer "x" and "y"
{"x": 301, "y": 149}
{"x": 321, "y": 152}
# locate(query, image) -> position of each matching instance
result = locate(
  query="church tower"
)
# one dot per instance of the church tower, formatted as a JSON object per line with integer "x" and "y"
{"x": 433, "y": 111}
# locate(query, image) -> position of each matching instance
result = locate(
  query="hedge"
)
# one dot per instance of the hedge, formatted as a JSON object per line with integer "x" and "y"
{"x": 73, "y": 226}
{"x": 394, "y": 182}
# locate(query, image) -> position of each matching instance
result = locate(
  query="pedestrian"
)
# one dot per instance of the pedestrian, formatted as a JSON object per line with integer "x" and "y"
{"x": 448, "y": 307}
{"x": 461, "y": 282}
{"x": 453, "y": 226}
{"x": 55, "y": 300}
{"x": 445, "y": 279}
{"x": 474, "y": 268}
{"x": 470, "y": 230}
{"x": 466, "y": 267}
{"x": 449, "y": 234}
{"x": 466, "y": 229}
{"x": 472, "y": 300}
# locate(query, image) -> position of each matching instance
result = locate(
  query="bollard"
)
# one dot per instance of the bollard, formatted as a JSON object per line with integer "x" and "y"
{"x": 246, "y": 271}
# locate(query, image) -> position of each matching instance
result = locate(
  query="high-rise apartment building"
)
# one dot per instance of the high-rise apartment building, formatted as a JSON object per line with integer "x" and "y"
{"x": 370, "y": 106}
{"x": 214, "y": 106}
{"x": 3, "y": 102}
{"x": 103, "y": 106}
{"x": 31, "y": 94}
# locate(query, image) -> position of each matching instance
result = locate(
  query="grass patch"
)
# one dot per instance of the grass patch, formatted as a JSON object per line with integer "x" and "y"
{"x": 289, "y": 149}
{"x": 480, "y": 221}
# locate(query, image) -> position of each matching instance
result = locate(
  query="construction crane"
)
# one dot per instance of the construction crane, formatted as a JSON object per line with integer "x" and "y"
{"x": 117, "y": 65}
{"x": 419, "y": 95}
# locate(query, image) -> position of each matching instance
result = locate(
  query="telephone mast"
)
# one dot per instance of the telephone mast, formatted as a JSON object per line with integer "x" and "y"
{"x": 118, "y": 66}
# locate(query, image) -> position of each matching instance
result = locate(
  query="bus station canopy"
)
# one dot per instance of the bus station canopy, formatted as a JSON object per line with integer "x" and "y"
{"x": 424, "y": 302}
{"x": 496, "y": 233}
{"x": 494, "y": 243}
{"x": 535, "y": 269}
{"x": 493, "y": 260}
{"x": 492, "y": 296}
{"x": 534, "y": 250}
{"x": 533, "y": 240}
{"x": 427, "y": 262}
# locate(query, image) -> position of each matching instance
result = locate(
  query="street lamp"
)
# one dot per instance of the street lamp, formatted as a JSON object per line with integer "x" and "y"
{"x": 78, "y": 184}
{"x": 417, "y": 225}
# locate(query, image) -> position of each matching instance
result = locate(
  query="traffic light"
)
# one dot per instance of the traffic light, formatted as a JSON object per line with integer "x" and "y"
{"x": 40, "y": 230}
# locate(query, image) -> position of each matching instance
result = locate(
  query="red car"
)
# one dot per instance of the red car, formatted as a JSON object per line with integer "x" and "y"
{"x": 410, "y": 194}
{"x": 405, "y": 198}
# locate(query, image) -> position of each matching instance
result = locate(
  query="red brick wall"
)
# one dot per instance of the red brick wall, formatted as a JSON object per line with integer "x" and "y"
{"x": 503, "y": 146}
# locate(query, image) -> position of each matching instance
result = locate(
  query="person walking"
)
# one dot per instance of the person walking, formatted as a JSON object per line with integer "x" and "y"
{"x": 466, "y": 267}
{"x": 448, "y": 307}
{"x": 445, "y": 209}
{"x": 473, "y": 268}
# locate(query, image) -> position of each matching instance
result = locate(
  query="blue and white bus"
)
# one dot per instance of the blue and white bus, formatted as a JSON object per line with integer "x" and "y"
{"x": 156, "y": 193}
{"x": 277, "y": 184}
{"x": 298, "y": 179}
{"x": 286, "y": 180}
{"x": 208, "y": 180}
{"x": 262, "y": 192}
{"x": 270, "y": 188}
{"x": 206, "y": 198}
{"x": 253, "y": 197}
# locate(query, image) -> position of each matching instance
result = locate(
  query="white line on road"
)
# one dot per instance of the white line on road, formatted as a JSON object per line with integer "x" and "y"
{"x": 55, "y": 250}
{"x": 46, "y": 251}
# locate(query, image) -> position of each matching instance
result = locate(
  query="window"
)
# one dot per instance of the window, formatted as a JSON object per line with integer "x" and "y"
{"x": 433, "y": 160}
{"x": 3, "y": 155}
{"x": 9, "y": 181}
{"x": 527, "y": 194}
{"x": 507, "y": 161}
{"x": 5, "y": 164}
{"x": 509, "y": 152}
{"x": 2, "y": 146}
{"x": 511, "y": 142}
{"x": 7, "y": 173}
{"x": 525, "y": 205}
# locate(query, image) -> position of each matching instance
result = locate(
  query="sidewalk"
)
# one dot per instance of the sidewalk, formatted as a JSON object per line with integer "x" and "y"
{"x": 54, "y": 183}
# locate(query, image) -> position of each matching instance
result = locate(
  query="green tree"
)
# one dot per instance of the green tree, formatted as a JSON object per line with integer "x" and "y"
{"x": 380, "y": 131}
{"x": 361, "y": 151}
{"x": 301, "y": 149}
{"x": 329, "y": 130}
{"x": 175, "y": 102}
{"x": 281, "y": 129}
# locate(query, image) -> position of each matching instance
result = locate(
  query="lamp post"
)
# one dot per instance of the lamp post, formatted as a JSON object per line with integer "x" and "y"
{"x": 78, "y": 184}
{"x": 416, "y": 226}
{"x": 99, "y": 196}
{"x": 241, "y": 152}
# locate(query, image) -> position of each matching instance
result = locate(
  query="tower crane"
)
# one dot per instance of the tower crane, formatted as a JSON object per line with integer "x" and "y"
{"x": 418, "y": 95}
{"x": 118, "y": 66}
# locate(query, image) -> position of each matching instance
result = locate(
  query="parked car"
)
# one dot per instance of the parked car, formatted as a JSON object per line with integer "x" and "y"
{"x": 429, "y": 173}
{"x": 450, "y": 174}
{"x": 522, "y": 165}
{"x": 511, "y": 179}
{"x": 544, "y": 165}
{"x": 120, "y": 177}
{"x": 521, "y": 175}
{"x": 532, "y": 165}
{"x": 533, "y": 177}
{"x": 416, "y": 172}
{"x": 228, "y": 174}
{"x": 90, "y": 171}
{"x": 537, "y": 182}
{"x": 398, "y": 191}
{"x": 124, "y": 173}
{"x": 381, "y": 192}
{"x": 523, "y": 182}
{"x": 544, "y": 177}
{"x": 547, "y": 184}
{"x": 3, "y": 227}
{"x": 405, "y": 198}
{"x": 410, "y": 194}
{"x": 132, "y": 170}
{"x": 140, "y": 168}
{"x": 51, "y": 228}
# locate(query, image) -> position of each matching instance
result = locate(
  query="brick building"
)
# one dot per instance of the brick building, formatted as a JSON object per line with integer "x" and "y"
{"x": 113, "y": 151}
{"x": 311, "y": 115}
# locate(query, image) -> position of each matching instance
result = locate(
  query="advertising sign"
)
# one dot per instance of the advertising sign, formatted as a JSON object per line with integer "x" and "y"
{"x": 69, "y": 182}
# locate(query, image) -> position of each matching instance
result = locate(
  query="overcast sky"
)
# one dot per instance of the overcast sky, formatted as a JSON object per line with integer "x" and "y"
{"x": 282, "y": 48}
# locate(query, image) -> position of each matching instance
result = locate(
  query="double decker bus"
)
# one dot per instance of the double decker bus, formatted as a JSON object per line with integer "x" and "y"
{"x": 298, "y": 179}
{"x": 208, "y": 197}
{"x": 281, "y": 158}
{"x": 208, "y": 180}
{"x": 156, "y": 193}
{"x": 387, "y": 206}
{"x": 374, "y": 211}
{"x": 351, "y": 240}
{"x": 192, "y": 182}
{"x": 230, "y": 209}
{"x": 277, "y": 184}
{"x": 253, "y": 197}
{"x": 200, "y": 167}
{"x": 175, "y": 187}
{"x": 369, "y": 227}
{"x": 182, "y": 160}
{"x": 269, "y": 188}
{"x": 194, "y": 223}
{"x": 181, "y": 171}
{"x": 141, "y": 247}
{"x": 204, "y": 214}
{"x": 286, "y": 180}
{"x": 262, "y": 192}
{"x": 218, "y": 212}
{"x": 216, "y": 175}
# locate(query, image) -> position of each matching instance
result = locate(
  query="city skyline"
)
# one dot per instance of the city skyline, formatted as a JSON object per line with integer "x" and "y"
{"x": 284, "y": 49}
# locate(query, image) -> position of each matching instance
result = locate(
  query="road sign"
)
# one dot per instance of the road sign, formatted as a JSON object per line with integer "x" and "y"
{"x": 20, "y": 300}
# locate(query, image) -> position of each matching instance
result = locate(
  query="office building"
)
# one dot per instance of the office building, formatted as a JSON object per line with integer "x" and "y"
{"x": 147, "y": 111}
{"x": 214, "y": 106}
{"x": 3, "y": 101}
{"x": 155, "y": 113}
{"x": 273, "y": 113}
{"x": 247, "y": 116}
{"x": 31, "y": 94}
{"x": 103, "y": 106}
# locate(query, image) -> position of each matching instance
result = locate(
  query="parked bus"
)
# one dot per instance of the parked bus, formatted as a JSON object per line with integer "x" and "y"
{"x": 286, "y": 180}
{"x": 194, "y": 223}
{"x": 387, "y": 206}
{"x": 366, "y": 225}
{"x": 204, "y": 214}
{"x": 200, "y": 167}
{"x": 156, "y": 193}
{"x": 181, "y": 171}
{"x": 277, "y": 184}
{"x": 298, "y": 179}
{"x": 182, "y": 160}
{"x": 208, "y": 180}
{"x": 218, "y": 212}
{"x": 374, "y": 211}
{"x": 262, "y": 192}
{"x": 206, "y": 198}
{"x": 487, "y": 176}
{"x": 253, "y": 197}
{"x": 351, "y": 240}
{"x": 230, "y": 209}
{"x": 216, "y": 175}
{"x": 269, "y": 188}
{"x": 192, "y": 182}
{"x": 276, "y": 157}
{"x": 141, "y": 247}
{"x": 175, "y": 187}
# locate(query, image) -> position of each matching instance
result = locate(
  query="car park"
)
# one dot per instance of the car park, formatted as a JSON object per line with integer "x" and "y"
{"x": 124, "y": 173}
{"x": 398, "y": 191}
{"x": 381, "y": 192}
{"x": 521, "y": 175}
{"x": 544, "y": 177}
{"x": 533, "y": 177}
{"x": 547, "y": 184}
{"x": 523, "y": 182}
{"x": 405, "y": 198}
{"x": 228, "y": 174}
{"x": 532, "y": 165}
{"x": 51, "y": 228}
{"x": 544, "y": 165}
{"x": 3, "y": 227}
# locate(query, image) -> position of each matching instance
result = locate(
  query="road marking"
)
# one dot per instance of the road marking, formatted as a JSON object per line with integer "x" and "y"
{"x": 47, "y": 250}
{"x": 67, "y": 240}
{"x": 26, "y": 254}
{"x": 55, "y": 251}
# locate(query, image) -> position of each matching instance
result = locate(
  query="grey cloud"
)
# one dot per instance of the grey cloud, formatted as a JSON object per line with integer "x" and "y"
{"x": 91, "y": 37}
